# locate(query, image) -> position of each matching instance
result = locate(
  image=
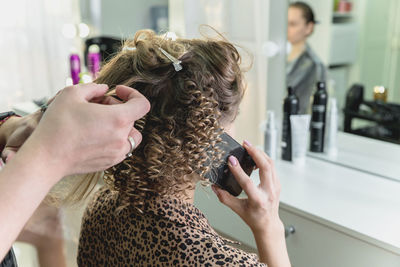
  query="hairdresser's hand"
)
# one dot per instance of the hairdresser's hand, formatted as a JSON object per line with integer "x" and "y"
{"x": 260, "y": 210}
{"x": 77, "y": 136}
{"x": 15, "y": 131}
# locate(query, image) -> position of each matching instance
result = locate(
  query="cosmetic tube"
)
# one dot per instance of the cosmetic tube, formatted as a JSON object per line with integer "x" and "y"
{"x": 271, "y": 136}
{"x": 300, "y": 125}
{"x": 332, "y": 126}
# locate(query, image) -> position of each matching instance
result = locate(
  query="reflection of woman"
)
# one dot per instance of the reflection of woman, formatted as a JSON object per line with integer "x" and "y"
{"x": 304, "y": 68}
{"x": 145, "y": 215}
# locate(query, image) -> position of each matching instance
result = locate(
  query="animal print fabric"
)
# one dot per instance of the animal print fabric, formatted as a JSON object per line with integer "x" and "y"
{"x": 170, "y": 232}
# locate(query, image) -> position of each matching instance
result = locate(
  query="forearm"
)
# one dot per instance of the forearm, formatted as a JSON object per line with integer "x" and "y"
{"x": 24, "y": 182}
{"x": 271, "y": 246}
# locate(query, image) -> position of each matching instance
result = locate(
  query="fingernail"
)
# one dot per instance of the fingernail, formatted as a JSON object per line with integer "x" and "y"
{"x": 247, "y": 143}
{"x": 233, "y": 160}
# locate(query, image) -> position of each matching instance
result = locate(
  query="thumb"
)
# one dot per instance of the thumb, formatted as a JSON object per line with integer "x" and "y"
{"x": 91, "y": 90}
{"x": 136, "y": 104}
{"x": 227, "y": 199}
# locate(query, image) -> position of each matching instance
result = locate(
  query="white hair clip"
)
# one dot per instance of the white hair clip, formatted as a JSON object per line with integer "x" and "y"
{"x": 128, "y": 48}
{"x": 175, "y": 62}
{"x": 170, "y": 35}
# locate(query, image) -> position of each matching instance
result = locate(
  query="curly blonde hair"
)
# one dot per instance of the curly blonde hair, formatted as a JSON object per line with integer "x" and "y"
{"x": 188, "y": 111}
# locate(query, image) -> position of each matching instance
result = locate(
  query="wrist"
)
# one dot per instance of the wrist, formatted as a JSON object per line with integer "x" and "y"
{"x": 40, "y": 159}
{"x": 273, "y": 228}
{"x": 271, "y": 245}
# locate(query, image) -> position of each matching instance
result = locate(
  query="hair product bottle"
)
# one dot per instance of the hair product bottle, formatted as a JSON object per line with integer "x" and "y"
{"x": 290, "y": 107}
{"x": 271, "y": 136}
{"x": 318, "y": 118}
{"x": 75, "y": 67}
{"x": 94, "y": 60}
{"x": 332, "y": 128}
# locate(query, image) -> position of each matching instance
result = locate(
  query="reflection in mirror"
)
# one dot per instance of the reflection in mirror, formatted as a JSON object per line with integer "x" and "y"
{"x": 359, "y": 50}
{"x": 355, "y": 42}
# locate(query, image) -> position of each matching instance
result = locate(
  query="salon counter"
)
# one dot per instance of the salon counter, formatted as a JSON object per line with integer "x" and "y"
{"x": 341, "y": 216}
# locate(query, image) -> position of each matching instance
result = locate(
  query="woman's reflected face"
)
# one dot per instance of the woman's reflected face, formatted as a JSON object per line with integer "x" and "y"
{"x": 298, "y": 28}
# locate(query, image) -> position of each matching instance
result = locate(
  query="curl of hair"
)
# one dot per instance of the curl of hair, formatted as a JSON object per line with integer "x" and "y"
{"x": 188, "y": 111}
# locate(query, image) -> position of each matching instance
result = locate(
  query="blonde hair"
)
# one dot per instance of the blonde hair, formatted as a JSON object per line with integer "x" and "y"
{"x": 188, "y": 110}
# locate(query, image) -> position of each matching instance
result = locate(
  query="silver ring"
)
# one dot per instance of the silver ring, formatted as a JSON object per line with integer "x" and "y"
{"x": 133, "y": 144}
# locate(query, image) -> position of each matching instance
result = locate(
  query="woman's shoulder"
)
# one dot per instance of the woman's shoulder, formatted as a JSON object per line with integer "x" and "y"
{"x": 102, "y": 204}
{"x": 310, "y": 53}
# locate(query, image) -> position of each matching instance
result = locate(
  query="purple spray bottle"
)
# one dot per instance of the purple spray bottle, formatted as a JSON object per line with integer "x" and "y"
{"x": 94, "y": 60}
{"x": 75, "y": 65}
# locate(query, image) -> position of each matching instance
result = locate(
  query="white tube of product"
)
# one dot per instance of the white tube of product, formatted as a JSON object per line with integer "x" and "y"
{"x": 300, "y": 125}
{"x": 332, "y": 127}
{"x": 271, "y": 136}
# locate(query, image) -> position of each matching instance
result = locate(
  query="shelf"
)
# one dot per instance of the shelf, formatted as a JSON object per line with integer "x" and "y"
{"x": 342, "y": 15}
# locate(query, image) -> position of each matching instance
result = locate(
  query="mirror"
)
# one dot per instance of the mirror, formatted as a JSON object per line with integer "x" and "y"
{"x": 357, "y": 43}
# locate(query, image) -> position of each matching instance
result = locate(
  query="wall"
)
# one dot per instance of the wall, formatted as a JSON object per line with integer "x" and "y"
{"x": 120, "y": 18}
{"x": 376, "y": 54}
{"x": 245, "y": 23}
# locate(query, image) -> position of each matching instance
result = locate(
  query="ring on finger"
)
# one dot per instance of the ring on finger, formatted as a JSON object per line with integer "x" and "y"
{"x": 133, "y": 144}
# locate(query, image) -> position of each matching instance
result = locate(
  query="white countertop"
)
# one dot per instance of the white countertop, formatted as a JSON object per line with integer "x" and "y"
{"x": 366, "y": 154}
{"x": 359, "y": 204}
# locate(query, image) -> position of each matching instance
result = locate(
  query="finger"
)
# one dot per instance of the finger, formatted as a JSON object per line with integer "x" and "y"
{"x": 91, "y": 90}
{"x": 266, "y": 174}
{"x": 227, "y": 199}
{"x": 276, "y": 180}
{"x": 242, "y": 178}
{"x": 133, "y": 140}
{"x": 137, "y": 136}
{"x": 136, "y": 104}
{"x": 125, "y": 92}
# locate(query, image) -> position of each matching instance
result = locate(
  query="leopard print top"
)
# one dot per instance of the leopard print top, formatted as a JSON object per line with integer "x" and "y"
{"x": 169, "y": 233}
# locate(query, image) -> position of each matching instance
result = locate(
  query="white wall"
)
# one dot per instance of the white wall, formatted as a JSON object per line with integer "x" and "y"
{"x": 34, "y": 60}
{"x": 378, "y": 57}
{"x": 244, "y": 23}
{"x": 120, "y": 18}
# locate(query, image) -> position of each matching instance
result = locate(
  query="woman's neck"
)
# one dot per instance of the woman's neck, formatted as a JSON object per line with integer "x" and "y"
{"x": 297, "y": 50}
{"x": 189, "y": 193}
{"x": 185, "y": 191}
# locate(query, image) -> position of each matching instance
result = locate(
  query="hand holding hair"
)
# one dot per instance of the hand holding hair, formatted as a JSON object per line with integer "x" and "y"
{"x": 81, "y": 131}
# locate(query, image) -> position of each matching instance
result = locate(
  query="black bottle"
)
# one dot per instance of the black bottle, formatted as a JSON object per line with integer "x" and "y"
{"x": 290, "y": 107}
{"x": 318, "y": 118}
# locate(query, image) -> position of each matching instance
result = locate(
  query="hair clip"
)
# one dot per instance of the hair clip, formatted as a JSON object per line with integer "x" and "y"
{"x": 170, "y": 35}
{"x": 128, "y": 48}
{"x": 175, "y": 62}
